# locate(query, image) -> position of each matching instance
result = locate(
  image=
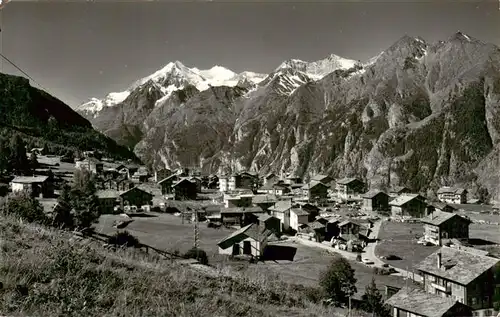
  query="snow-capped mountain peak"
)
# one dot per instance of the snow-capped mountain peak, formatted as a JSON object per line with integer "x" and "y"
{"x": 318, "y": 69}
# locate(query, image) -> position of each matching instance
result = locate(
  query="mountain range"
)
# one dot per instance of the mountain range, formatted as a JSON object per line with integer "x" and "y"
{"x": 418, "y": 114}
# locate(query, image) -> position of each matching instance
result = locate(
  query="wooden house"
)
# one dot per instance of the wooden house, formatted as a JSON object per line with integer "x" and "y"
{"x": 412, "y": 205}
{"x": 184, "y": 190}
{"x": 281, "y": 210}
{"x": 160, "y": 174}
{"x": 197, "y": 181}
{"x": 240, "y": 216}
{"x": 317, "y": 191}
{"x": 350, "y": 188}
{"x": 293, "y": 179}
{"x": 452, "y": 195}
{"x": 297, "y": 217}
{"x": 375, "y": 200}
{"x": 250, "y": 240}
{"x": 414, "y": 302}
{"x": 166, "y": 184}
{"x": 269, "y": 222}
{"x": 445, "y": 225}
{"x": 325, "y": 179}
{"x": 135, "y": 197}
{"x": 36, "y": 186}
{"x": 440, "y": 206}
{"x": 264, "y": 201}
{"x": 467, "y": 277}
{"x": 107, "y": 200}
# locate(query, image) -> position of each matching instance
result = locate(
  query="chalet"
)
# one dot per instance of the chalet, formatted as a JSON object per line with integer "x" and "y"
{"x": 246, "y": 180}
{"x": 298, "y": 217}
{"x": 281, "y": 210}
{"x": 349, "y": 227}
{"x": 317, "y": 191}
{"x": 250, "y": 240}
{"x": 350, "y": 188}
{"x": 375, "y": 200}
{"x": 278, "y": 189}
{"x": 271, "y": 178}
{"x": 264, "y": 201}
{"x": 167, "y": 182}
{"x": 440, "y": 206}
{"x": 130, "y": 170}
{"x": 91, "y": 164}
{"x": 240, "y": 216}
{"x": 135, "y": 197}
{"x": 325, "y": 179}
{"x": 415, "y": 302}
{"x": 311, "y": 209}
{"x": 399, "y": 190}
{"x": 412, "y": 205}
{"x": 141, "y": 175}
{"x": 36, "y": 186}
{"x": 241, "y": 200}
{"x": 107, "y": 200}
{"x": 197, "y": 181}
{"x": 440, "y": 225}
{"x": 452, "y": 195}
{"x": 123, "y": 184}
{"x": 469, "y": 278}
{"x": 227, "y": 183}
{"x": 160, "y": 174}
{"x": 269, "y": 222}
{"x": 184, "y": 190}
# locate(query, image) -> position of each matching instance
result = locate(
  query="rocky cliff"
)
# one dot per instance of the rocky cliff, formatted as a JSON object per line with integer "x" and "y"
{"x": 419, "y": 114}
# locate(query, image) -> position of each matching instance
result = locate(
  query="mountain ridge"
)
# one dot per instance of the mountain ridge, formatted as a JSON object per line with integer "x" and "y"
{"x": 393, "y": 117}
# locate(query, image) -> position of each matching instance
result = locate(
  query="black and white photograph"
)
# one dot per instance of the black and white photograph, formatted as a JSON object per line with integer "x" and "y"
{"x": 250, "y": 158}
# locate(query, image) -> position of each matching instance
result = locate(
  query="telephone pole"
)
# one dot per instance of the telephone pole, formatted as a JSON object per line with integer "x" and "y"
{"x": 196, "y": 233}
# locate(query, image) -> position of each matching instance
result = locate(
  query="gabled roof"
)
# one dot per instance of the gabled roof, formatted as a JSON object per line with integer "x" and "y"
{"x": 457, "y": 265}
{"x": 134, "y": 189}
{"x": 419, "y": 302}
{"x": 316, "y": 225}
{"x": 373, "y": 193}
{"x": 270, "y": 175}
{"x": 299, "y": 212}
{"x": 346, "y": 222}
{"x": 347, "y": 180}
{"x": 438, "y": 218}
{"x": 313, "y": 184}
{"x": 451, "y": 190}
{"x": 173, "y": 176}
{"x": 282, "y": 206}
{"x": 319, "y": 177}
{"x": 184, "y": 180}
{"x": 405, "y": 198}
{"x": 241, "y": 210}
{"x": 263, "y": 199}
{"x": 29, "y": 179}
{"x": 108, "y": 193}
{"x": 442, "y": 206}
{"x": 250, "y": 231}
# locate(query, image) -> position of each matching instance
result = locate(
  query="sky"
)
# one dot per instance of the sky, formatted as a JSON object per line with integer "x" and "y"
{"x": 77, "y": 50}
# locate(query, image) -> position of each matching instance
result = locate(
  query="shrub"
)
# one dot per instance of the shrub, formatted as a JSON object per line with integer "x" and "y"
{"x": 123, "y": 239}
{"x": 197, "y": 254}
{"x": 25, "y": 207}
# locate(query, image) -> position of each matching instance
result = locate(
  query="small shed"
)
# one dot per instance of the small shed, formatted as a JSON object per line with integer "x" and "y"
{"x": 184, "y": 190}
{"x": 250, "y": 240}
{"x": 135, "y": 197}
{"x": 375, "y": 200}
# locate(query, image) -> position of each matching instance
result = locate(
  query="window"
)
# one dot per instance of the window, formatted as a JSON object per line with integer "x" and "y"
{"x": 474, "y": 301}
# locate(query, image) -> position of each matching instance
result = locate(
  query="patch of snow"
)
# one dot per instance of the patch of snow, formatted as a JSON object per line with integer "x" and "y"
{"x": 372, "y": 60}
{"x": 466, "y": 37}
{"x": 115, "y": 98}
{"x": 318, "y": 69}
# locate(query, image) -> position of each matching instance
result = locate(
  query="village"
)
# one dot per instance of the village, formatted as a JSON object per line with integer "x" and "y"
{"x": 431, "y": 256}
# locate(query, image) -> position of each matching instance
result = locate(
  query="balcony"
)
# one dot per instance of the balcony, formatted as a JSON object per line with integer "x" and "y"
{"x": 444, "y": 289}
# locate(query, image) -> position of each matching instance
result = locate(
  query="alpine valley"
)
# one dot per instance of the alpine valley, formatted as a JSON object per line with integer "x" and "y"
{"x": 419, "y": 114}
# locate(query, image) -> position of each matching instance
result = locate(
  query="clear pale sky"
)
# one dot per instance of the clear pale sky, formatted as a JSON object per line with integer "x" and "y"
{"x": 78, "y": 50}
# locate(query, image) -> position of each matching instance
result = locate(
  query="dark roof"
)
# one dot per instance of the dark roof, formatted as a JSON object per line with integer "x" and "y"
{"x": 184, "y": 180}
{"x": 398, "y": 189}
{"x": 168, "y": 178}
{"x": 438, "y": 218}
{"x": 457, "y": 265}
{"x": 262, "y": 199}
{"x": 419, "y": 302}
{"x": 442, "y": 206}
{"x": 319, "y": 177}
{"x": 314, "y": 183}
{"x": 270, "y": 175}
{"x": 373, "y": 193}
{"x": 108, "y": 193}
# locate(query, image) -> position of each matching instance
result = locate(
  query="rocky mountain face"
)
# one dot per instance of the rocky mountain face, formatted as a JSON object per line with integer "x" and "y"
{"x": 418, "y": 114}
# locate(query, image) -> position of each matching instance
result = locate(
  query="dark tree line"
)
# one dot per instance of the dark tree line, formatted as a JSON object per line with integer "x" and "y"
{"x": 14, "y": 158}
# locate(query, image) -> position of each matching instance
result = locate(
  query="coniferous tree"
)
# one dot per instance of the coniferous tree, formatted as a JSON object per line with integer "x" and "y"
{"x": 338, "y": 281}
{"x": 373, "y": 301}
{"x": 18, "y": 158}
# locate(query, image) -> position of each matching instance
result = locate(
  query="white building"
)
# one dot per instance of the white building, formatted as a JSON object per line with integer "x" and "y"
{"x": 227, "y": 183}
{"x": 452, "y": 195}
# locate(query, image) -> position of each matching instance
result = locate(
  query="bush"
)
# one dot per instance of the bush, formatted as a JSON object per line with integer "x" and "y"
{"x": 197, "y": 254}
{"x": 358, "y": 257}
{"x": 25, "y": 207}
{"x": 4, "y": 190}
{"x": 123, "y": 239}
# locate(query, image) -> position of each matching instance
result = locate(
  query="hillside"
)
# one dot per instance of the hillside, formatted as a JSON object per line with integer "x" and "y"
{"x": 419, "y": 114}
{"x": 43, "y": 120}
{"x": 50, "y": 273}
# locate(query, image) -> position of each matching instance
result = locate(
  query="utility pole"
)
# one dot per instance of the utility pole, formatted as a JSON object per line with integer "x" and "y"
{"x": 196, "y": 234}
{"x": 350, "y": 306}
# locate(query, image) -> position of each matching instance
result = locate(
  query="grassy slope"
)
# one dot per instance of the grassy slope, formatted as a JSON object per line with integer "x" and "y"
{"x": 64, "y": 277}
